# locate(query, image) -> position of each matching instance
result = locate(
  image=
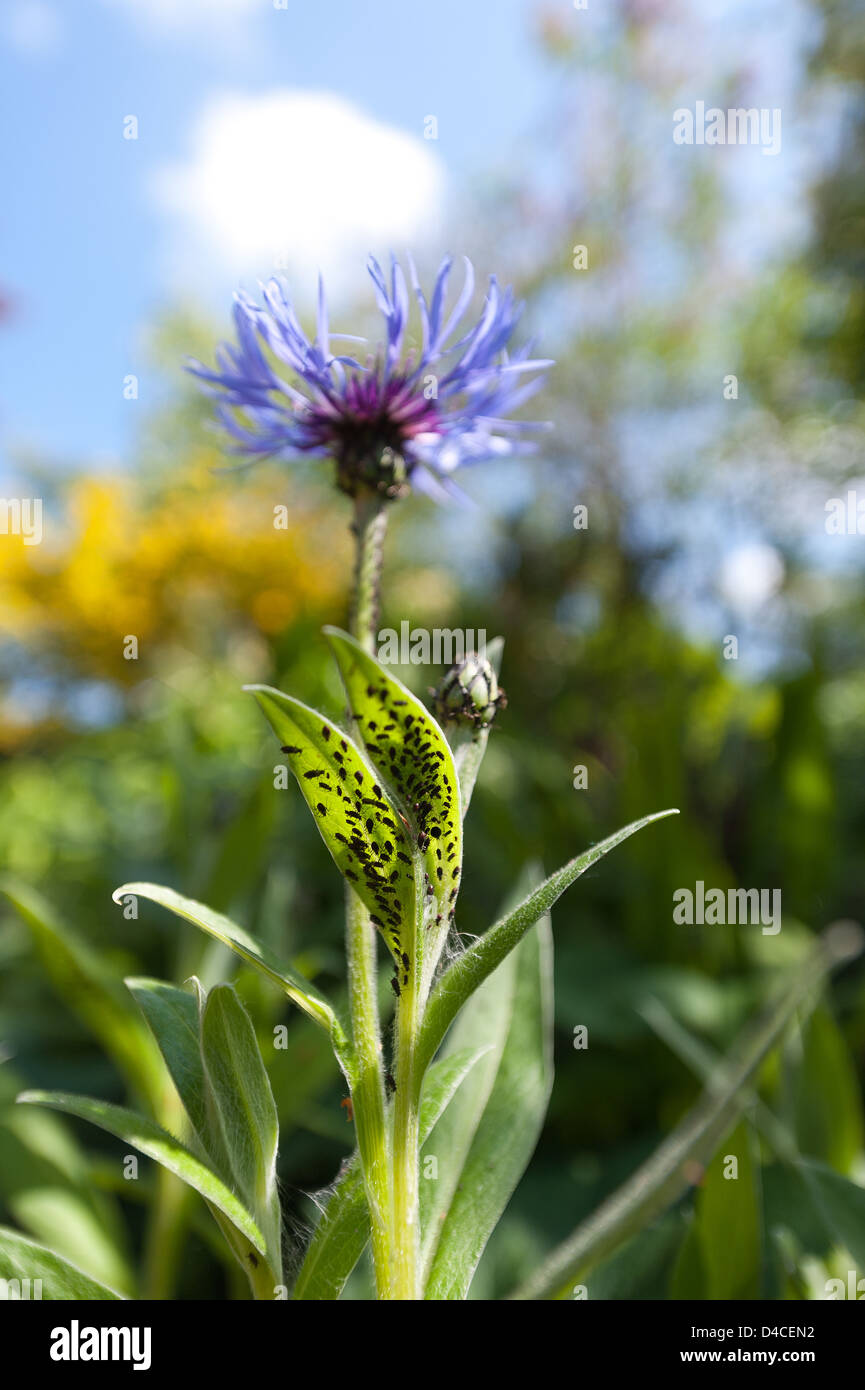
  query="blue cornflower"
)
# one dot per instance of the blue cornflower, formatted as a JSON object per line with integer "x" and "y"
{"x": 399, "y": 419}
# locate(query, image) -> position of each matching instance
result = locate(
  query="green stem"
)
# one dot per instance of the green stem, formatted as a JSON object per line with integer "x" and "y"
{"x": 370, "y": 522}
{"x": 368, "y": 1090}
{"x": 369, "y": 527}
{"x": 406, "y": 1214}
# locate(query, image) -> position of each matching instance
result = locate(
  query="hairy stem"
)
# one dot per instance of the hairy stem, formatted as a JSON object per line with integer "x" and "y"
{"x": 368, "y": 1092}
{"x": 406, "y": 1219}
{"x": 369, "y": 527}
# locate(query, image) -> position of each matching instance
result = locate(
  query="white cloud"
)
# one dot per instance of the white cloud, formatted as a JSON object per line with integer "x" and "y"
{"x": 298, "y": 181}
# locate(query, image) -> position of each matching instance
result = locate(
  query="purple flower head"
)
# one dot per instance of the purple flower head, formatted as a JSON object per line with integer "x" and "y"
{"x": 407, "y": 416}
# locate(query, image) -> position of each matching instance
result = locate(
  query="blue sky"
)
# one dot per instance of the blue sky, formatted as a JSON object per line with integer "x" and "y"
{"x": 96, "y": 241}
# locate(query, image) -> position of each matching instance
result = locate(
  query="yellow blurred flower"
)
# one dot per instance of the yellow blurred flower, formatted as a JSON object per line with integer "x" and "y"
{"x": 191, "y": 563}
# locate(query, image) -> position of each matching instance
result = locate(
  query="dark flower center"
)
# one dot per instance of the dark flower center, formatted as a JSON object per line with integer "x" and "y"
{"x": 369, "y": 457}
{"x": 368, "y": 435}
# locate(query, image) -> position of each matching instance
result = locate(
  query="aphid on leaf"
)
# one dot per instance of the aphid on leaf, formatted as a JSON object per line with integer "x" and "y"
{"x": 289, "y": 749}
{"x": 325, "y": 731}
{"x": 390, "y": 1084}
{"x": 321, "y": 808}
{"x": 394, "y": 984}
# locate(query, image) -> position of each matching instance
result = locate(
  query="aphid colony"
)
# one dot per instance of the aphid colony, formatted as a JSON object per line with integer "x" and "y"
{"x": 375, "y": 854}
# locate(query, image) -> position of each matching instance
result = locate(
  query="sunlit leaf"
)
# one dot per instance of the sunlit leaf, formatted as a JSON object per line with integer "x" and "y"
{"x": 367, "y": 838}
{"x": 156, "y": 1143}
{"x": 299, "y": 990}
{"x": 61, "y": 1281}
{"x": 241, "y": 1109}
{"x": 487, "y": 1134}
{"x": 415, "y": 764}
{"x": 470, "y": 969}
{"x": 172, "y": 1015}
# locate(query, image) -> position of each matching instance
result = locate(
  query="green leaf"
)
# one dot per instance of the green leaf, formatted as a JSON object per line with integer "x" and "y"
{"x": 642, "y": 1268}
{"x": 688, "y": 1278}
{"x": 828, "y": 1108}
{"x": 840, "y": 1204}
{"x": 156, "y": 1143}
{"x": 729, "y": 1221}
{"x": 470, "y": 969}
{"x": 47, "y": 1187}
{"x": 213, "y": 1057}
{"x": 242, "y": 1115}
{"x": 663, "y": 1178}
{"x": 172, "y": 1016}
{"x": 91, "y": 991}
{"x": 343, "y": 1230}
{"x": 484, "y": 1140}
{"x": 415, "y": 764}
{"x": 364, "y": 832}
{"x": 61, "y": 1281}
{"x": 299, "y": 990}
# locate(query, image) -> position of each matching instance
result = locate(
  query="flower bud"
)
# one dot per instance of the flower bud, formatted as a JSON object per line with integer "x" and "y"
{"x": 469, "y": 693}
